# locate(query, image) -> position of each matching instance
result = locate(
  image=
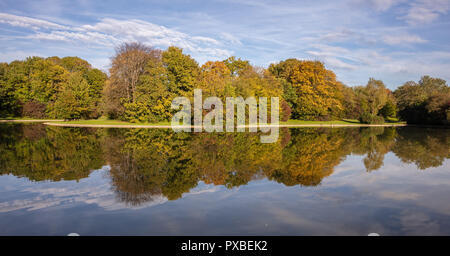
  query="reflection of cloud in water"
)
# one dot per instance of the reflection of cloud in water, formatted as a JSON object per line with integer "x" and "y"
{"x": 396, "y": 199}
{"x": 396, "y": 182}
{"x": 417, "y": 223}
{"x": 94, "y": 190}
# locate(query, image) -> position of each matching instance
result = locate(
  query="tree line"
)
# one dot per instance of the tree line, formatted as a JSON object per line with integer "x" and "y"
{"x": 142, "y": 82}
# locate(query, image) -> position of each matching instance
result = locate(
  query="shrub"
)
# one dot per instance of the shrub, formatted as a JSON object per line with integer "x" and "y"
{"x": 367, "y": 118}
{"x": 138, "y": 112}
{"x": 388, "y": 110}
{"x": 33, "y": 109}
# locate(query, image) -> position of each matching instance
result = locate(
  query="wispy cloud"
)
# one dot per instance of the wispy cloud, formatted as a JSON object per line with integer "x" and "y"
{"x": 26, "y": 22}
{"x": 402, "y": 39}
{"x": 426, "y": 11}
{"x": 393, "y": 40}
{"x": 383, "y": 5}
{"x": 111, "y": 32}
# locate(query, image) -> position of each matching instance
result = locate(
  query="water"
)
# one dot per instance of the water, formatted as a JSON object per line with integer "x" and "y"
{"x": 341, "y": 181}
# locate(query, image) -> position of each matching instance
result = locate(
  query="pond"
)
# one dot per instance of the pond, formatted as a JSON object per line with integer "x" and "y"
{"x": 312, "y": 181}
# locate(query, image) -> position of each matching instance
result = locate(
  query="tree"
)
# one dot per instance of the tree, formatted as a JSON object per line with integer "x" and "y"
{"x": 8, "y": 103}
{"x": 389, "y": 109}
{"x": 236, "y": 66}
{"x": 427, "y": 101}
{"x": 162, "y": 76}
{"x": 182, "y": 71}
{"x": 350, "y": 104}
{"x": 127, "y": 65}
{"x": 75, "y": 64}
{"x": 375, "y": 94}
{"x": 371, "y": 99}
{"x": 215, "y": 79}
{"x": 318, "y": 93}
{"x": 31, "y": 87}
{"x": 73, "y": 101}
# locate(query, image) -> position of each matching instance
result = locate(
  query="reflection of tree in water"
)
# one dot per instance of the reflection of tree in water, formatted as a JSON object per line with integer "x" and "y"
{"x": 424, "y": 147}
{"x": 151, "y": 163}
{"x": 155, "y": 162}
{"x": 310, "y": 156}
{"x": 145, "y": 163}
{"x": 232, "y": 159}
{"x": 48, "y": 153}
{"x": 374, "y": 142}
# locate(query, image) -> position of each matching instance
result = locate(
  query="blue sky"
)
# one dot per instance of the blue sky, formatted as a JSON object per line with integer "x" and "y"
{"x": 392, "y": 40}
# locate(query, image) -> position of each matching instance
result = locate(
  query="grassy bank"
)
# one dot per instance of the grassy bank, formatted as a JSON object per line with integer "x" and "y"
{"x": 345, "y": 122}
{"x": 108, "y": 122}
{"x": 104, "y": 122}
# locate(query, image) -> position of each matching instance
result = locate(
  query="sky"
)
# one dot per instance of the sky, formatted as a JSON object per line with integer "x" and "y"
{"x": 392, "y": 40}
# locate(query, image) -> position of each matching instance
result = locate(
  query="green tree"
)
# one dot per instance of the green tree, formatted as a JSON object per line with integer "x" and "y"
{"x": 427, "y": 101}
{"x": 236, "y": 65}
{"x": 73, "y": 100}
{"x": 9, "y": 105}
{"x": 371, "y": 99}
{"x": 182, "y": 71}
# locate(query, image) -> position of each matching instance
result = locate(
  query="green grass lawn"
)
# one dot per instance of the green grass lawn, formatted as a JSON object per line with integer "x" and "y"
{"x": 108, "y": 122}
{"x": 290, "y": 122}
{"x": 344, "y": 121}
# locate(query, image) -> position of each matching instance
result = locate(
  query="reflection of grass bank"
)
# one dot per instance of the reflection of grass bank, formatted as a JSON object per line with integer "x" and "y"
{"x": 26, "y": 119}
{"x": 290, "y": 123}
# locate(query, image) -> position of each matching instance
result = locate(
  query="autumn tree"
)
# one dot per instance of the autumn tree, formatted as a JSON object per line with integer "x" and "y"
{"x": 236, "y": 65}
{"x": 127, "y": 66}
{"x": 215, "y": 80}
{"x": 318, "y": 94}
{"x": 168, "y": 75}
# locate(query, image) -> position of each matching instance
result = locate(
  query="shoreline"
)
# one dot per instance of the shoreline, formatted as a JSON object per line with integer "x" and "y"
{"x": 30, "y": 120}
{"x": 193, "y": 126}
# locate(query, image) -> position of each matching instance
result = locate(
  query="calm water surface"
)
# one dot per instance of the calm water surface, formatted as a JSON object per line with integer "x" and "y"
{"x": 346, "y": 181}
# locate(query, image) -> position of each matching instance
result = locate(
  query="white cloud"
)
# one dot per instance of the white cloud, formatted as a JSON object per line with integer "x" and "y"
{"x": 402, "y": 39}
{"x": 96, "y": 189}
{"x": 339, "y": 64}
{"x": 69, "y": 36}
{"x": 330, "y": 55}
{"x": 7, "y": 55}
{"x": 393, "y": 36}
{"x": 230, "y": 38}
{"x": 25, "y": 22}
{"x": 426, "y": 11}
{"x": 111, "y": 32}
{"x": 384, "y": 5}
